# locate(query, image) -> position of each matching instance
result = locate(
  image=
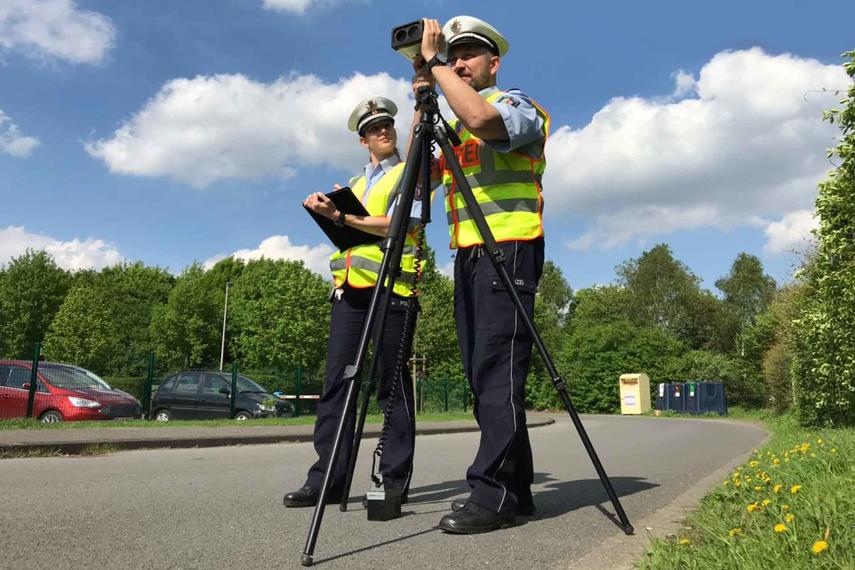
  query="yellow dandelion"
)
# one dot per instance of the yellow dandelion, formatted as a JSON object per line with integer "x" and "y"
{"x": 758, "y": 488}
{"x": 819, "y": 441}
{"x": 737, "y": 483}
{"x": 748, "y": 479}
{"x": 685, "y": 541}
{"x": 734, "y": 531}
{"x": 753, "y": 463}
{"x": 766, "y": 502}
{"x": 777, "y": 488}
{"x": 776, "y": 461}
{"x": 725, "y": 484}
{"x": 795, "y": 489}
{"x": 785, "y": 508}
{"x": 780, "y": 527}
{"x": 789, "y": 517}
{"x": 752, "y": 507}
{"x": 833, "y": 450}
{"x": 819, "y": 546}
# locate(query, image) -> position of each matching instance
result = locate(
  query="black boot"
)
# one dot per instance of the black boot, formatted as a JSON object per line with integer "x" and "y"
{"x": 475, "y": 519}
{"x": 308, "y": 497}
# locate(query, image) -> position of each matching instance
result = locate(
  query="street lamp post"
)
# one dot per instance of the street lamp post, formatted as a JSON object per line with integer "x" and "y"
{"x": 225, "y": 312}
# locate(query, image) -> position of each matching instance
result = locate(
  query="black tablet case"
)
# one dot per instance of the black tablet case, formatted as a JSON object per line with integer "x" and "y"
{"x": 346, "y": 237}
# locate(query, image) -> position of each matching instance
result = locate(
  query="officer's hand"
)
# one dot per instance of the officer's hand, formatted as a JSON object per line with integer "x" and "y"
{"x": 422, "y": 77}
{"x": 431, "y": 38}
{"x": 319, "y": 203}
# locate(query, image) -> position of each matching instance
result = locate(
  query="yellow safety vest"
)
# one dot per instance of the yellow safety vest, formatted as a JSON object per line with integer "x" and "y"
{"x": 359, "y": 266}
{"x": 507, "y": 186}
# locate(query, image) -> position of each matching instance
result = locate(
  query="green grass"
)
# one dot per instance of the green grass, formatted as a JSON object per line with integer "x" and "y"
{"x": 790, "y": 497}
{"x": 21, "y": 423}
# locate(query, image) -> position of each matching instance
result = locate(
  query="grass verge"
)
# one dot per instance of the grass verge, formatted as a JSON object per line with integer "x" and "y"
{"x": 791, "y": 505}
{"x": 22, "y": 423}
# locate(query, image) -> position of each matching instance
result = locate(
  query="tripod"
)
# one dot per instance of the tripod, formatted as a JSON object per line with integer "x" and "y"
{"x": 430, "y": 128}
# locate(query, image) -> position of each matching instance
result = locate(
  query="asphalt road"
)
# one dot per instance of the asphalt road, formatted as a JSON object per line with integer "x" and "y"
{"x": 221, "y": 507}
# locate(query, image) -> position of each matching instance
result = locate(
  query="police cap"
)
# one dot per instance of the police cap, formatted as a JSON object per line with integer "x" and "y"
{"x": 369, "y": 111}
{"x": 467, "y": 29}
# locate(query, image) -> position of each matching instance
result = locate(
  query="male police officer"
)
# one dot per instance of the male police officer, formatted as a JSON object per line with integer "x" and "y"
{"x": 355, "y": 276}
{"x": 503, "y": 134}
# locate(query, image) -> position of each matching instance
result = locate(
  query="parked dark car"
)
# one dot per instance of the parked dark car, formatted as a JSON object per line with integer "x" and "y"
{"x": 64, "y": 392}
{"x": 205, "y": 394}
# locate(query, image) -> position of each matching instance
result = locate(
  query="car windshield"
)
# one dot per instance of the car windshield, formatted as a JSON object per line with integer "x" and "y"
{"x": 71, "y": 377}
{"x": 244, "y": 384}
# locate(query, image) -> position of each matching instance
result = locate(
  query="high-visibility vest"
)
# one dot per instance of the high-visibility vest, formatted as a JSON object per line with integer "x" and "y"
{"x": 359, "y": 266}
{"x": 507, "y": 186}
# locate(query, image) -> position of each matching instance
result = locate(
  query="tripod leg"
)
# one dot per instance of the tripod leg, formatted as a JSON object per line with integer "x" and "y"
{"x": 497, "y": 258}
{"x": 363, "y": 409}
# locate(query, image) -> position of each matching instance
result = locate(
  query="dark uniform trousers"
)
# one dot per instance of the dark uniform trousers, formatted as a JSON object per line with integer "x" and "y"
{"x": 348, "y": 315}
{"x": 496, "y": 352}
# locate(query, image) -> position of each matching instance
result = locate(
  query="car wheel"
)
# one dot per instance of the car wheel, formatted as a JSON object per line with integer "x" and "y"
{"x": 51, "y": 417}
{"x": 243, "y": 416}
{"x": 162, "y": 416}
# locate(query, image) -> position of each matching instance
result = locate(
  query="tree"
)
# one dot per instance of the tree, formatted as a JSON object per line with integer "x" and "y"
{"x": 131, "y": 292}
{"x": 280, "y": 314}
{"x": 660, "y": 290}
{"x": 33, "y": 289}
{"x": 84, "y": 330}
{"x": 186, "y": 329}
{"x": 747, "y": 292}
{"x": 824, "y": 336}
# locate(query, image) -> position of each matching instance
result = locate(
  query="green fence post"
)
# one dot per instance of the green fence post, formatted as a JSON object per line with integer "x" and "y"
{"x": 149, "y": 381}
{"x": 445, "y": 393}
{"x": 233, "y": 393}
{"x": 34, "y": 378}
{"x": 298, "y": 389}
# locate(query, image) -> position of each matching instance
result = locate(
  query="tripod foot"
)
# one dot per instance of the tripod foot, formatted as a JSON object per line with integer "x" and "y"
{"x": 628, "y": 530}
{"x": 306, "y": 560}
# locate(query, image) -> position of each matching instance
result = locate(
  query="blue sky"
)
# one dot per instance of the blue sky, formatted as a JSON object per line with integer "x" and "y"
{"x": 169, "y": 132}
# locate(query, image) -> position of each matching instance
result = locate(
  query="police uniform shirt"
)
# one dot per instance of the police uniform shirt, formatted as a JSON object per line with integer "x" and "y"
{"x": 523, "y": 123}
{"x": 373, "y": 174}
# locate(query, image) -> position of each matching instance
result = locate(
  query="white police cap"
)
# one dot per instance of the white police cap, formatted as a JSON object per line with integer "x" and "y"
{"x": 468, "y": 29}
{"x": 370, "y": 110}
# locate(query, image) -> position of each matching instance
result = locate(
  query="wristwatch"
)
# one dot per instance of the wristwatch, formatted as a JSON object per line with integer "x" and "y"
{"x": 339, "y": 221}
{"x": 437, "y": 59}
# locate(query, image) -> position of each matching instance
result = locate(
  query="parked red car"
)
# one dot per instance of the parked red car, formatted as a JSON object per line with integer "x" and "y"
{"x": 64, "y": 393}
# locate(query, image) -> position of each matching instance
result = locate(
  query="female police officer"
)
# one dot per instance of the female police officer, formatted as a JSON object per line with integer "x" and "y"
{"x": 355, "y": 275}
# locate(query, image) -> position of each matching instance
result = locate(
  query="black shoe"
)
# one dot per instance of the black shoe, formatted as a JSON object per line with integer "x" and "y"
{"x": 475, "y": 519}
{"x": 307, "y": 497}
{"x": 526, "y": 509}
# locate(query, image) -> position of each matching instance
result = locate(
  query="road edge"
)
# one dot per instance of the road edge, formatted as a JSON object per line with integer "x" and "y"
{"x": 621, "y": 552}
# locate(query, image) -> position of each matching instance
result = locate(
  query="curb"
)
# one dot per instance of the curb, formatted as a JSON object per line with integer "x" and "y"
{"x": 116, "y": 440}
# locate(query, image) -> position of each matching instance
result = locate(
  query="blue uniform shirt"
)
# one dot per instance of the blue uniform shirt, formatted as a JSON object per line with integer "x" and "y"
{"x": 523, "y": 123}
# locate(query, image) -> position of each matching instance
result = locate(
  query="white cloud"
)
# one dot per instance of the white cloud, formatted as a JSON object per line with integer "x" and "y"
{"x": 75, "y": 254}
{"x": 750, "y": 144}
{"x": 212, "y": 128}
{"x": 12, "y": 141}
{"x": 302, "y": 6}
{"x": 55, "y": 29}
{"x": 791, "y": 233}
{"x": 315, "y": 257}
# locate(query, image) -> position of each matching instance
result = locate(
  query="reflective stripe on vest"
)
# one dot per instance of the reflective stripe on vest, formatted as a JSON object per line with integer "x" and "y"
{"x": 507, "y": 186}
{"x": 359, "y": 266}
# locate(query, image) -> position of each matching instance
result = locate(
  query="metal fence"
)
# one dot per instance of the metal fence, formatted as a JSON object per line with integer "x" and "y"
{"x": 56, "y": 391}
